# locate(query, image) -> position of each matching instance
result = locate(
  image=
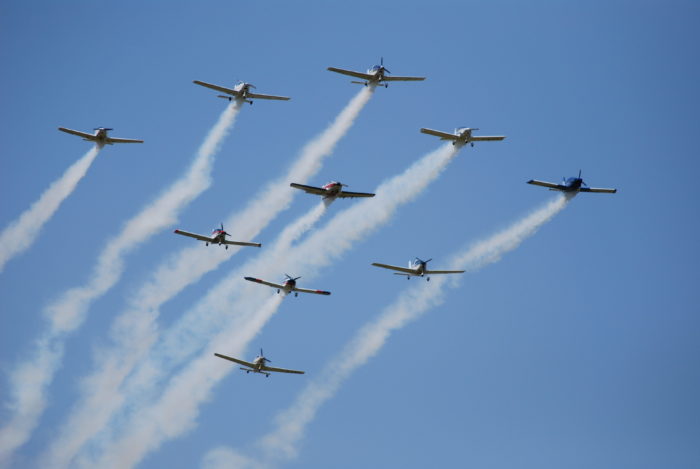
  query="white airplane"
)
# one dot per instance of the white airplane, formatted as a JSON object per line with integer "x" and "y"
{"x": 330, "y": 191}
{"x": 462, "y": 136}
{"x": 289, "y": 286}
{"x": 100, "y": 136}
{"x": 416, "y": 268}
{"x": 572, "y": 184}
{"x": 218, "y": 236}
{"x": 374, "y": 76}
{"x": 258, "y": 365}
{"x": 240, "y": 91}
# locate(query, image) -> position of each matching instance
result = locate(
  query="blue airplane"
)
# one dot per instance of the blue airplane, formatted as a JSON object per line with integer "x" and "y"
{"x": 572, "y": 184}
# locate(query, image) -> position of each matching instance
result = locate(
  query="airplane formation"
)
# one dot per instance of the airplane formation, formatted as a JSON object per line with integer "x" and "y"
{"x": 375, "y": 76}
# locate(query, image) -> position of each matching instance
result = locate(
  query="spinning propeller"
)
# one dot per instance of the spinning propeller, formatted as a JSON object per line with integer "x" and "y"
{"x": 223, "y": 231}
{"x": 381, "y": 65}
{"x": 262, "y": 356}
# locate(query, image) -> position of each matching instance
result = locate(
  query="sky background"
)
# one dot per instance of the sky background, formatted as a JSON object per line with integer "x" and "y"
{"x": 579, "y": 349}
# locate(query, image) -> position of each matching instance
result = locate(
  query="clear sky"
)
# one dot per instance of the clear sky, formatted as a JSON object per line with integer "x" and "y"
{"x": 581, "y": 348}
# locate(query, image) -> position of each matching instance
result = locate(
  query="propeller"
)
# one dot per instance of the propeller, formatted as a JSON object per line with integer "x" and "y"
{"x": 101, "y": 128}
{"x": 262, "y": 355}
{"x": 381, "y": 64}
{"x": 223, "y": 231}
{"x": 583, "y": 183}
{"x": 292, "y": 278}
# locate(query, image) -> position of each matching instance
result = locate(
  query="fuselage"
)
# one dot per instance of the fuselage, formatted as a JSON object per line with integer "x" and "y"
{"x": 289, "y": 285}
{"x": 572, "y": 184}
{"x": 100, "y": 136}
{"x": 218, "y": 236}
{"x": 417, "y": 265}
{"x": 243, "y": 88}
{"x": 332, "y": 189}
{"x": 464, "y": 134}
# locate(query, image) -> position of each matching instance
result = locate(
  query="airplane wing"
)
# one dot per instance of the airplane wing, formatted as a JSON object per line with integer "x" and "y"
{"x": 281, "y": 370}
{"x": 79, "y": 134}
{"x": 236, "y": 360}
{"x": 122, "y": 140}
{"x": 241, "y": 243}
{"x": 316, "y": 292}
{"x": 206, "y": 239}
{"x": 217, "y": 88}
{"x": 431, "y": 272}
{"x": 309, "y": 189}
{"x": 551, "y": 185}
{"x": 394, "y": 267}
{"x": 346, "y": 194}
{"x": 364, "y": 76}
{"x": 269, "y": 284}
{"x": 595, "y": 189}
{"x": 404, "y": 78}
{"x": 267, "y": 96}
{"x": 442, "y": 135}
{"x": 483, "y": 138}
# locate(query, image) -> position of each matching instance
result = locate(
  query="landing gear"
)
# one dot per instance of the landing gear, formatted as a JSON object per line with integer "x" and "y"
{"x": 206, "y": 244}
{"x": 226, "y": 247}
{"x": 427, "y": 279}
{"x": 296, "y": 294}
{"x": 278, "y": 291}
{"x": 386, "y": 85}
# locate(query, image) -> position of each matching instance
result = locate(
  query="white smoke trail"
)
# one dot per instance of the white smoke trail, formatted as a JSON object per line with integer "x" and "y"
{"x": 154, "y": 424}
{"x": 281, "y": 444}
{"x": 21, "y": 233}
{"x": 134, "y": 331}
{"x": 30, "y": 380}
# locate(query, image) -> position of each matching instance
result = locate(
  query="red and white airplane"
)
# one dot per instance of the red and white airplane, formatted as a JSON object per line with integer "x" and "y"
{"x": 374, "y": 76}
{"x": 218, "y": 236}
{"x": 331, "y": 191}
{"x": 100, "y": 136}
{"x": 258, "y": 365}
{"x": 416, "y": 268}
{"x": 462, "y": 136}
{"x": 289, "y": 286}
{"x": 240, "y": 91}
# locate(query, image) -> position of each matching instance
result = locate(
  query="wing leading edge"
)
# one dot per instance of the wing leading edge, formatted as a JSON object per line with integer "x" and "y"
{"x": 236, "y": 360}
{"x": 78, "y": 133}
{"x": 268, "y": 96}
{"x": 599, "y": 190}
{"x": 309, "y": 189}
{"x": 394, "y": 267}
{"x": 404, "y": 78}
{"x": 437, "y": 133}
{"x": 217, "y": 88}
{"x": 315, "y": 292}
{"x": 351, "y": 73}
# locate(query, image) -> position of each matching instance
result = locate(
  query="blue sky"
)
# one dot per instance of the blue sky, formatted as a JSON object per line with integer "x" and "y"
{"x": 579, "y": 348}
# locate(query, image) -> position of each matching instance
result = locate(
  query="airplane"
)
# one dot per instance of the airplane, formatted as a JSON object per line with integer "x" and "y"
{"x": 218, "y": 236}
{"x": 330, "y": 191}
{"x": 258, "y": 365}
{"x": 240, "y": 91}
{"x": 374, "y": 76}
{"x": 416, "y": 268}
{"x": 572, "y": 184}
{"x": 462, "y": 136}
{"x": 100, "y": 136}
{"x": 290, "y": 285}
